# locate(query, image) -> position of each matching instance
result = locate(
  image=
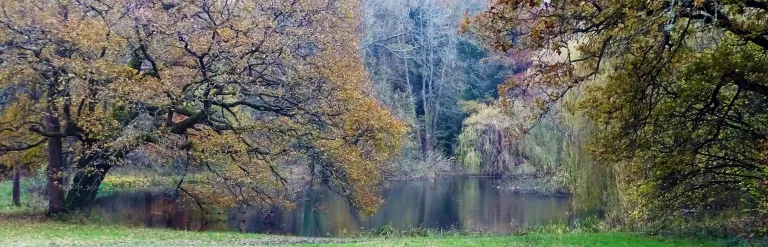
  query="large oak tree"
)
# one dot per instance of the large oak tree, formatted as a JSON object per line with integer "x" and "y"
{"x": 237, "y": 88}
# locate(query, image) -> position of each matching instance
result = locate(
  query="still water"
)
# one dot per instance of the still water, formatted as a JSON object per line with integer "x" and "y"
{"x": 449, "y": 203}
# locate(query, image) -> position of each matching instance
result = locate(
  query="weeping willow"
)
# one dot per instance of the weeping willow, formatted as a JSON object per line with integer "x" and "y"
{"x": 485, "y": 146}
{"x": 555, "y": 150}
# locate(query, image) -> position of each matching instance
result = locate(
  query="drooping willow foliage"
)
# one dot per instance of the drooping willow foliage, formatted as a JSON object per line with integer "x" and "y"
{"x": 681, "y": 109}
{"x": 554, "y": 150}
{"x": 484, "y": 145}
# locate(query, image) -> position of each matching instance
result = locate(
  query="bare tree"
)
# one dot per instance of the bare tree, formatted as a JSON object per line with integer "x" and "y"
{"x": 412, "y": 53}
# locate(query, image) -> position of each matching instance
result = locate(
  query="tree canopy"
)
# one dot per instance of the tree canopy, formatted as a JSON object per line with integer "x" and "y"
{"x": 680, "y": 93}
{"x": 239, "y": 89}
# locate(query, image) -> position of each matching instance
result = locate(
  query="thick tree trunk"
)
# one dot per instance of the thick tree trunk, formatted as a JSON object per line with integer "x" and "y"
{"x": 85, "y": 186}
{"x": 16, "y": 189}
{"x": 55, "y": 162}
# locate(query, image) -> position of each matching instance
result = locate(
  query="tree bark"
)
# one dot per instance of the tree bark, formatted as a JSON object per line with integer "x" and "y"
{"x": 425, "y": 106}
{"x": 416, "y": 123}
{"x": 16, "y": 190}
{"x": 55, "y": 163}
{"x": 85, "y": 186}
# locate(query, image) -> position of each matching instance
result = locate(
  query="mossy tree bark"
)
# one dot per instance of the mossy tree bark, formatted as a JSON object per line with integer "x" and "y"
{"x": 86, "y": 183}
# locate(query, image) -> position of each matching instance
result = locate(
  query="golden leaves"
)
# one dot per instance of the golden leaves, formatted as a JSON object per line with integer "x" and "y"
{"x": 269, "y": 83}
{"x": 14, "y": 134}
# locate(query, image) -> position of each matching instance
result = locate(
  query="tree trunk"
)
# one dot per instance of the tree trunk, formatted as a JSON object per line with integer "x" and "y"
{"x": 426, "y": 118}
{"x": 55, "y": 162}
{"x": 416, "y": 123}
{"x": 431, "y": 62}
{"x": 68, "y": 158}
{"x": 425, "y": 106}
{"x": 16, "y": 189}
{"x": 85, "y": 186}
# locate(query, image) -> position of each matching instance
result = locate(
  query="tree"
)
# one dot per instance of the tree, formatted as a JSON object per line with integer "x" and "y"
{"x": 681, "y": 105}
{"x": 58, "y": 53}
{"x": 235, "y": 86}
{"x": 421, "y": 68}
{"x": 484, "y": 145}
{"x": 16, "y": 150}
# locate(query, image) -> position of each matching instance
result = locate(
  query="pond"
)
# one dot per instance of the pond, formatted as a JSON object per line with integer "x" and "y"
{"x": 448, "y": 203}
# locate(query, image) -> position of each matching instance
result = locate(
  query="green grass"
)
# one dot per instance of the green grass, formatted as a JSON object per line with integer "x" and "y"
{"x": 583, "y": 239}
{"x": 24, "y": 226}
{"x": 33, "y": 203}
{"x": 30, "y": 203}
{"x": 37, "y": 231}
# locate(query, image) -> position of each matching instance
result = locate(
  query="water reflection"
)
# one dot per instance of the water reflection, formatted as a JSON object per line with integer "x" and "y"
{"x": 461, "y": 203}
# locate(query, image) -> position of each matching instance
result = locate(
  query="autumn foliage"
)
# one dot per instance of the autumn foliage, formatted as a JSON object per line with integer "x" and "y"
{"x": 678, "y": 90}
{"x": 243, "y": 91}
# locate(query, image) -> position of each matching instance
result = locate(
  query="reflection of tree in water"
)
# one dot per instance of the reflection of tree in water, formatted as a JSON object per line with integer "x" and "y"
{"x": 466, "y": 203}
{"x": 152, "y": 209}
{"x": 487, "y": 208}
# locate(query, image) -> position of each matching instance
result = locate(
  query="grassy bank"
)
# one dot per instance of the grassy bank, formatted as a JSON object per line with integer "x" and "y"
{"x": 24, "y": 226}
{"x": 31, "y": 203}
{"x": 37, "y": 231}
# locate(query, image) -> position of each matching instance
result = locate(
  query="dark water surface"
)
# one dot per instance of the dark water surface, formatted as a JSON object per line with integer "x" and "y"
{"x": 450, "y": 203}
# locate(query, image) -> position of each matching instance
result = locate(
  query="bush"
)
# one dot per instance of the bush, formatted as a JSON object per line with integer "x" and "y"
{"x": 431, "y": 165}
{"x": 125, "y": 182}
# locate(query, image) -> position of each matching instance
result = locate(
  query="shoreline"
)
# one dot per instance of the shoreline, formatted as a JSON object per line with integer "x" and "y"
{"x": 45, "y": 232}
